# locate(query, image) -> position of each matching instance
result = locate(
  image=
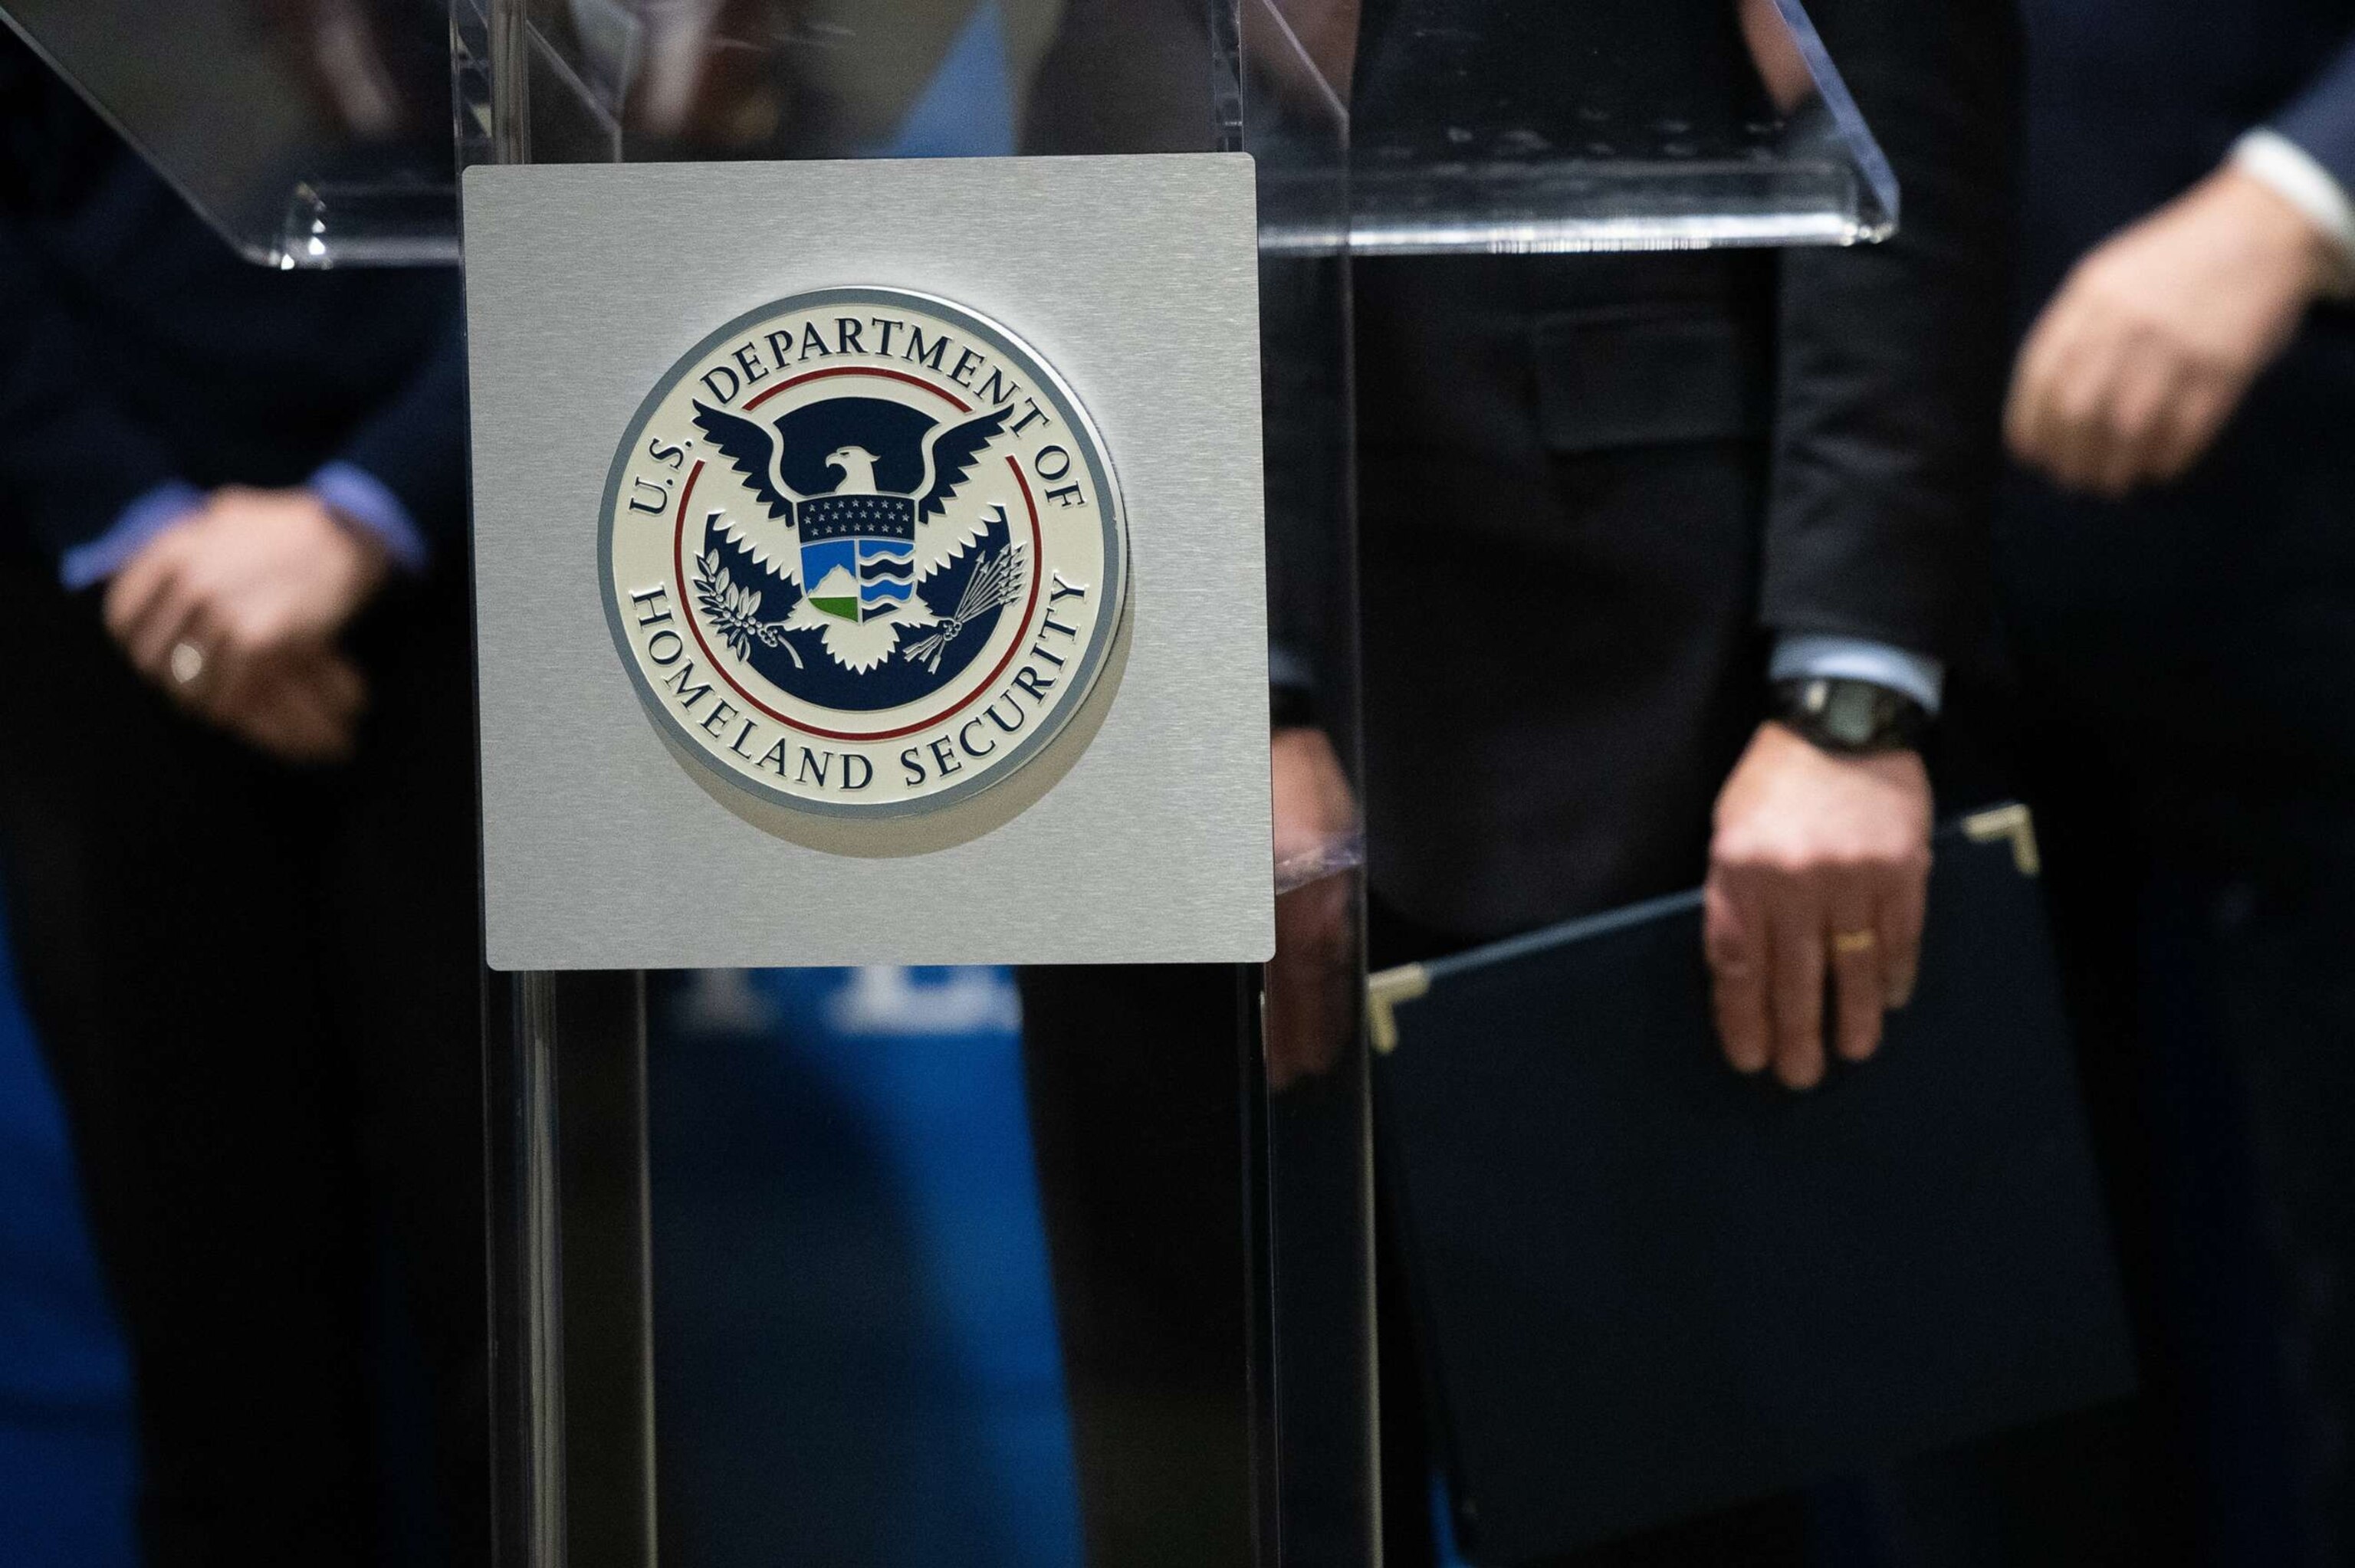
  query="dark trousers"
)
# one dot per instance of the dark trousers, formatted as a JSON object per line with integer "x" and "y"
{"x": 1137, "y": 1093}
{"x": 2208, "y": 919}
{"x": 259, "y": 991}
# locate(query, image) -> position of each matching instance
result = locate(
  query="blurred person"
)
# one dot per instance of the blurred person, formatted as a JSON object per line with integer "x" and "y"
{"x": 1723, "y": 519}
{"x": 2178, "y": 571}
{"x": 1663, "y": 559}
{"x": 236, "y": 827}
{"x": 1734, "y": 479}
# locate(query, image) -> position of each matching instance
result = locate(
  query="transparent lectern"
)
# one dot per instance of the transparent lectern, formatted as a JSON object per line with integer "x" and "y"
{"x": 676, "y": 1373}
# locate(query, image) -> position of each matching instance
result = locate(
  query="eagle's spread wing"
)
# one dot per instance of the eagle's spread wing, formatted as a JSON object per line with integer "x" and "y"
{"x": 751, "y": 450}
{"x": 949, "y": 454}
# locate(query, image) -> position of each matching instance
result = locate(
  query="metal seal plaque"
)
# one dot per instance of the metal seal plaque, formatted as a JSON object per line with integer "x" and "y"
{"x": 864, "y": 554}
{"x": 871, "y": 582}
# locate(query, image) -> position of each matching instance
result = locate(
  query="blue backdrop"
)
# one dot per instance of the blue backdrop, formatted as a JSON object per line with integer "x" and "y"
{"x": 855, "y": 1335}
{"x": 65, "y": 1385}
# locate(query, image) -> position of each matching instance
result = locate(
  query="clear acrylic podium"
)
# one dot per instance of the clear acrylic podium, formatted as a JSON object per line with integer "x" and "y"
{"x": 316, "y": 136}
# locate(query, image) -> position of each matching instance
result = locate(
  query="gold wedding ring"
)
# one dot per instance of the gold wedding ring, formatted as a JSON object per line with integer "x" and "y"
{"x": 1849, "y": 943}
{"x": 187, "y": 662}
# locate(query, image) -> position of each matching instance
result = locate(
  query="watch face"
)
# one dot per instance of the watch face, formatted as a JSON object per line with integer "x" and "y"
{"x": 1852, "y": 712}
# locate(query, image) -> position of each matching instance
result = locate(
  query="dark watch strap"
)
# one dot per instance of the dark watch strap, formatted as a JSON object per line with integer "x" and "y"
{"x": 1849, "y": 717}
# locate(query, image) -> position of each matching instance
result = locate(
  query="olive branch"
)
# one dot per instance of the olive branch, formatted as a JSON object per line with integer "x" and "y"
{"x": 996, "y": 580}
{"x": 734, "y": 610}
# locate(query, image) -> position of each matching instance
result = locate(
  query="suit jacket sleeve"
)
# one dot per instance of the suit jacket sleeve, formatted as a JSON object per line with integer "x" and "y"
{"x": 415, "y": 444}
{"x": 71, "y": 459}
{"x": 2321, "y": 120}
{"x": 1894, "y": 356}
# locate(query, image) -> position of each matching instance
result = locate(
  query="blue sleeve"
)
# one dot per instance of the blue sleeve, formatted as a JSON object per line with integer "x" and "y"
{"x": 97, "y": 559}
{"x": 2321, "y": 120}
{"x": 364, "y": 500}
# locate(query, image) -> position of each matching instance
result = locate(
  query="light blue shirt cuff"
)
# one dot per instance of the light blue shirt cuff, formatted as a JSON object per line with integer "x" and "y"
{"x": 1801, "y": 658}
{"x": 140, "y": 522}
{"x": 2298, "y": 177}
{"x": 359, "y": 498}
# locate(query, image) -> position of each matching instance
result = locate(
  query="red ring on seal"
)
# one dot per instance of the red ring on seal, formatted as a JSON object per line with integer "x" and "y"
{"x": 679, "y": 568}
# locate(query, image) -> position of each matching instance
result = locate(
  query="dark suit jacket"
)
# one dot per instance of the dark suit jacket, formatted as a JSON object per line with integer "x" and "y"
{"x": 2200, "y": 633}
{"x": 1592, "y": 489}
{"x": 135, "y": 347}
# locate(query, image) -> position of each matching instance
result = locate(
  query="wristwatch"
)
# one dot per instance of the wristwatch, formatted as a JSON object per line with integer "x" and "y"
{"x": 1849, "y": 717}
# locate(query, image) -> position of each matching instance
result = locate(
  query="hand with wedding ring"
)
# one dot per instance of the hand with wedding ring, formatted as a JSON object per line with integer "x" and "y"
{"x": 1819, "y": 869}
{"x": 234, "y": 612}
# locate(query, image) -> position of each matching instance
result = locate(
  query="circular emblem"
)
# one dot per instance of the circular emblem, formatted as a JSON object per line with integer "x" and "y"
{"x": 863, "y": 553}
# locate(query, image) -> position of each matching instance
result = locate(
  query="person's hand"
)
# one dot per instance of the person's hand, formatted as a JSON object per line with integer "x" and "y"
{"x": 2148, "y": 348}
{"x": 1311, "y": 984}
{"x": 234, "y": 612}
{"x": 1782, "y": 68}
{"x": 1819, "y": 862}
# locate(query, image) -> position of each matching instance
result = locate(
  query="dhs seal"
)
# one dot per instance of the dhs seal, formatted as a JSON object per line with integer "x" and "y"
{"x": 863, "y": 553}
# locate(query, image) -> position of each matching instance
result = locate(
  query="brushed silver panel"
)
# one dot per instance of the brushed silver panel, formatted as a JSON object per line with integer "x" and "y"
{"x": 1136, "y": 279}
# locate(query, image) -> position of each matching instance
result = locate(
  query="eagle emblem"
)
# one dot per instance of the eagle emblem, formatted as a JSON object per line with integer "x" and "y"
{"x": 850, "y": 559}
{"x": 863, "y": 553}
